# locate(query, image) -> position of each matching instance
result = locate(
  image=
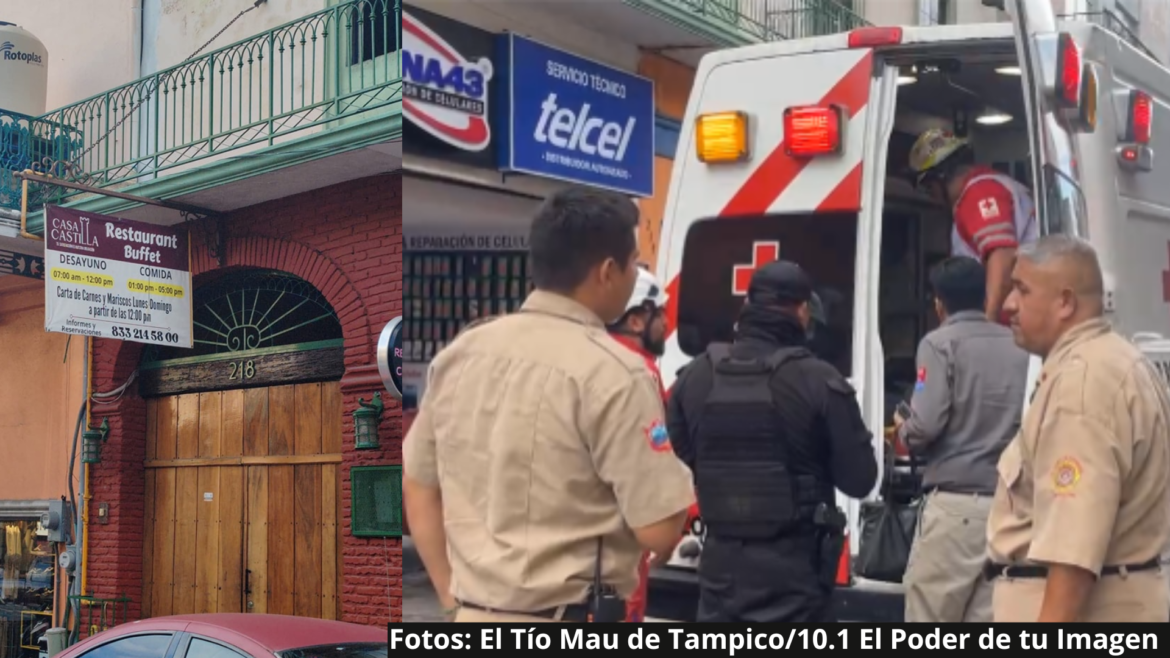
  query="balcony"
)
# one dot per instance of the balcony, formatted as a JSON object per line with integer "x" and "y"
{"x": 1115, "y": 24}
{"x": 310, "y": 103}
{"x": 687, "y": 29}
{"x": 23, "y": 146}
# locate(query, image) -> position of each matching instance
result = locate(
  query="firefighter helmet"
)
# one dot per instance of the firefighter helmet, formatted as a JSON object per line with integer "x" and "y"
{"x": 932, "y": 148}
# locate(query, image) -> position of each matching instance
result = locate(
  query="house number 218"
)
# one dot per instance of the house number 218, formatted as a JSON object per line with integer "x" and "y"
{"x": 243, "y": 370}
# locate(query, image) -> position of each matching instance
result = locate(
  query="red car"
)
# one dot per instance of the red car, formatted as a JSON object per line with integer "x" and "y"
{"x": 233, "y": 635}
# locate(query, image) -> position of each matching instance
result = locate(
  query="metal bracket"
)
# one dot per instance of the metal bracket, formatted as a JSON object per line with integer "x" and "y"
{"x": 214, "y": 232}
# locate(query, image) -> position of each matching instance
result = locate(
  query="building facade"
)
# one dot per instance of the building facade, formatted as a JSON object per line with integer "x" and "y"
{"x": 480, "y": 159}
{"x": 229, "y": 478}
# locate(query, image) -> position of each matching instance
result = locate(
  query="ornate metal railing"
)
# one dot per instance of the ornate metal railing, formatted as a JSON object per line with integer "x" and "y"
{"x": 777, "y": 20}
{"x": 23, "y": 144}
{"x": 316, "y": 71}
{"x": 1116, "y": 25}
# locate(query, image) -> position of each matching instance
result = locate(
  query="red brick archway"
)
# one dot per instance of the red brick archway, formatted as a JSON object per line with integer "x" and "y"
{"x": 371, "y": 588}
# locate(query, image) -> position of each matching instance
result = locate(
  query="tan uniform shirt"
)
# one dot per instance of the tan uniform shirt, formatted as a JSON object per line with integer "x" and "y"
{"x": 1085, "y": 481}
{"x": 544, "y": 434}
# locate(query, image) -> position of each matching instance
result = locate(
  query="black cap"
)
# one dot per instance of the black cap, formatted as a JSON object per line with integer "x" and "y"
{"x": 780, "y": 282}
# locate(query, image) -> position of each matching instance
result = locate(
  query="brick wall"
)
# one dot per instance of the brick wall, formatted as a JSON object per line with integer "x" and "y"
{"x": 347, "y": 241}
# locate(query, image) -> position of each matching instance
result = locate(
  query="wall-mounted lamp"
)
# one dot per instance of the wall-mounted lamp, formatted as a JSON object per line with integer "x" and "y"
{"x": 365, "y": 423}
{"x": 91, "y": 443}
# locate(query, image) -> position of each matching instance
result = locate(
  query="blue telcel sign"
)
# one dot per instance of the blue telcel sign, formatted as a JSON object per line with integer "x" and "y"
{"x": 573, "y": 119}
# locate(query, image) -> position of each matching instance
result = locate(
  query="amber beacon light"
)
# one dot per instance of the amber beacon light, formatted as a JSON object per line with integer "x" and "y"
{"x": 721, "y": 137}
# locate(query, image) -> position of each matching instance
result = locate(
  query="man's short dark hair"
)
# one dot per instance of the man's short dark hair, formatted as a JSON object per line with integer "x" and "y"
{"x": 575, "y": 230}
{"x": 959, "y": 283}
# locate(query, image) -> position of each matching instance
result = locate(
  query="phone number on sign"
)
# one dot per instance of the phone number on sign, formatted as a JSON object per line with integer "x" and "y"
{"x": 145, "y": 334}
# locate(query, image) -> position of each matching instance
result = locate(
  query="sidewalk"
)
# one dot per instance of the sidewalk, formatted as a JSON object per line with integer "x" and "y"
{"x": 419, "y": 603}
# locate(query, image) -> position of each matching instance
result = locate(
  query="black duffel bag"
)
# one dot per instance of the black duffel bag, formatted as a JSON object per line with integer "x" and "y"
{"x": 887, "y": 532}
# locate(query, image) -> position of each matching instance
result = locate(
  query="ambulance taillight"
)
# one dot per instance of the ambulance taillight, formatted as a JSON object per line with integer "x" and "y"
{"x": 871, "y": 37}
{"x": 721, "y": 137}
{"x": 1068, "y": 70}
{"x": 1141, "y": 118}
{"x": 1134, "y": 153}
{"x": 812, "y": 130}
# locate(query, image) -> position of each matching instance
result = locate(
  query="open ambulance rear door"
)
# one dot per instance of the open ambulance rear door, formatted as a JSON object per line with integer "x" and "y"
{"x": 1061, "y": 95}
{"x": 782, "y": 155}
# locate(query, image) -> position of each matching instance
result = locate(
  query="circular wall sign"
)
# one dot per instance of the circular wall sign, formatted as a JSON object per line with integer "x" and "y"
{"x": 390, "y": 357}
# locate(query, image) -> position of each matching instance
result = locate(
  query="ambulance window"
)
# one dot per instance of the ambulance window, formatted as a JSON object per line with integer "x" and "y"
{"x": 1066, "y": 205}
{"x": 823, "y": 244}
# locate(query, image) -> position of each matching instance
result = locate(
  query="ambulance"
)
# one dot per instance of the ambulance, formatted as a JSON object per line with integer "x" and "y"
{"x": 799, "y": 149}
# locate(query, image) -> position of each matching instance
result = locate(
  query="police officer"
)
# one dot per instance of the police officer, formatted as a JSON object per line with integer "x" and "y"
{"x": 539, "y": 469}
{"x": 965, "y": 410}
{"x": 1079, "y": 516}
{"x": 642, "y": 329}
{"x": 770, "y": 431}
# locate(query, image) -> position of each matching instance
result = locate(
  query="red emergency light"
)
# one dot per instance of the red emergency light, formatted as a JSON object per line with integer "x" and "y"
{"x": 870, "y": 37}
{"x": 1141, "y": 116}
{"x": 1068, "y": 71}
{"x": 812, "y": 130}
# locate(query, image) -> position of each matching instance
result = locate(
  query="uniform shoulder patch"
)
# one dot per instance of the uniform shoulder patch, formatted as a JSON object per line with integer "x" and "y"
{"x": 920, "y": 382}
{"x": 1066, "y": 475}
{"x": 658, "y": 437}
{"x": 989, "y": 208}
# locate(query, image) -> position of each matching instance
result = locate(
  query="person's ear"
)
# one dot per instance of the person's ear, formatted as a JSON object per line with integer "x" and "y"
{"x": 607, "y": 271}
{"x": 637, "y": 321}
{"x": 1067, "y": 304}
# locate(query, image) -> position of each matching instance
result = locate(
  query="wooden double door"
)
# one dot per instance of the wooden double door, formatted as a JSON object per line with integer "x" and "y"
{"x": 242, "y": 502}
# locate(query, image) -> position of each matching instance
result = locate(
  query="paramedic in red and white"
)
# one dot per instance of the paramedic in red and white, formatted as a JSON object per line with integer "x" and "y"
{"x": 993, "y": 214}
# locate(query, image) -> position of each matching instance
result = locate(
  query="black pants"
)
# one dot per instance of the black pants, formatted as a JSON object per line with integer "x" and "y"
{"x": 760, "y": 582}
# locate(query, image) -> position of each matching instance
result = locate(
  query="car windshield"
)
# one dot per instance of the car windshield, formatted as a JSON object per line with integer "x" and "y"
{"x": 366, "y": 650}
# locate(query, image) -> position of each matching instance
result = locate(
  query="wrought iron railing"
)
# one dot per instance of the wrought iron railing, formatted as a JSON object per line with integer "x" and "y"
{"x": 23, "y": 143}
{"x": 808, "y": 18}
{"x": 314, "y": 72}
{"x": 95, "y": 615}
{"x": 776, "y": 20}
{"x": 1114, "y": 23}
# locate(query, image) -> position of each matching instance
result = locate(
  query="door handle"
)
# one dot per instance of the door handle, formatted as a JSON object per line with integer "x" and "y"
{"x": 247, "y": 581}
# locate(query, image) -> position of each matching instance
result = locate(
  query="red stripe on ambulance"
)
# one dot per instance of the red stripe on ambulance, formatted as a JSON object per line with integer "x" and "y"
{"x": 777, "y": 172}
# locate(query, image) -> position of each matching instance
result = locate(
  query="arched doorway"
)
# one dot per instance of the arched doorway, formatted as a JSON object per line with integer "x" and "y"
{"x": 243, "y": 450}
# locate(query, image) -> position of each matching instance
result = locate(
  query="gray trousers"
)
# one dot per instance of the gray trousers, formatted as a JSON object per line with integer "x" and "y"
{"x": 944, "y": 577}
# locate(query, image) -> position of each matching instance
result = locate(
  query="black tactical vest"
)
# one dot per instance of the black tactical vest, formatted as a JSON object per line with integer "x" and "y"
{"x": 742, "y": 477}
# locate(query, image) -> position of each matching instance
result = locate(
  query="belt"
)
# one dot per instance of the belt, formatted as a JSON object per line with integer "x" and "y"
{"x": 957, "y": 492}
{"x": 577, "y": 612}
{"x": 991, "y": 571}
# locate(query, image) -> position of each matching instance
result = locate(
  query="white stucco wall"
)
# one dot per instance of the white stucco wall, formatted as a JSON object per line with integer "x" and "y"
{"x": 96, "y": 45}
{"x": 891, "y": 12}
{"x": 185, "y": 25}
{"x": 90, "y": 43}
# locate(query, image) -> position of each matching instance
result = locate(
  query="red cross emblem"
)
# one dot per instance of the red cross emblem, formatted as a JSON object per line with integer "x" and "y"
{"x": 762, "y": 254}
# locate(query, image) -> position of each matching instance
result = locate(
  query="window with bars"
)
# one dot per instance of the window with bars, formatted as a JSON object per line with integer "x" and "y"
{"x": 376, "y": 29}
{"x": 377, "y": 501}
{"x": 256, "y": 309}
{"x": 936, "y": 12}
